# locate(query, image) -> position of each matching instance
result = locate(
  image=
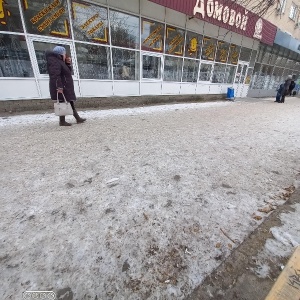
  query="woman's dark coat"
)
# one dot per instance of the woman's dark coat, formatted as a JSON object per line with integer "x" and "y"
{"x": 60, "y": 76}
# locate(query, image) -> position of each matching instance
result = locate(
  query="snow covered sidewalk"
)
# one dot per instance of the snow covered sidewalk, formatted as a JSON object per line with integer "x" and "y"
{"x": 138, "y": 203}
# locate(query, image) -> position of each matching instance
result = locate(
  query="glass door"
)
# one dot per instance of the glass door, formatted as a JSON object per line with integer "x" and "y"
{"x": 241, "y": 78}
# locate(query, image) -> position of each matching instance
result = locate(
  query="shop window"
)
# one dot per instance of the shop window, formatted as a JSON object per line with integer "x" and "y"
{"x": 278, "y": 60}
{"x": 276, "y": 78}
{"x": 151, "y": 67}
{"x": 267, "y": 55}
{"x": 90, "y": 22}
{"x": 205, "y": 72}
{"x": 258, "y": 78}
{"x": 190, "y": 70}
{"x": 230, "y": 72}
{"x": 172, "y": 68}
{"x": 274, "y": 55}
{"x": 47, "y": 17}
{"x": 248, "y": 78}
{"x": 124, "y": 30}
{"x": 125, "y": 64}
{"x": 245, "y": 54}
{"x": 266, "y": 72}
{"x": 222, "y": 52}
{"x": 253, "y": 58}
{"x": 152, "y": 35}
{"x": 40, "y": 49}
{"x": 234, "y": 52}
{"x": 241, "y": 73}
{"x": 208, "y": 48}
{"x": 193, "y": 45}
{"x": 14, "y": 56}
{"x": 260, "y": 53}
{"x": 283, "y": 62}
{"x": 290, "y": 63}
{"x": 219, "y": 73}
{"x": 93, "y": 61}
{"x": 285, "y": 74}
{"x": 10, "y": 19}
{"x": 174, "y": 40}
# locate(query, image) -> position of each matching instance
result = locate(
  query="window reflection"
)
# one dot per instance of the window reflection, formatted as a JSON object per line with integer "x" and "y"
{"x": 90, "y": 22}
{"x": 124, "y": 30}
{"x": 219, "y": 73}
{"x": 40, "y": 49}
{"x": 245, "y": 54}
{"x": 193, "y": 45}
{"x": 10, "y": 19}
{"x": 222, "y": 52}
{"x": 258, "y": 78}
{"x": 208, "y": 48}
{"x": 93, "y": 61}
{"x": 205, "y": 72}
{"x": 152, "y": 35}
{"x": 190, "y": 70}
{"x": 174, "y": 41}
{"x": 151, "y": 67}
{"x": 173, "y": 68}
{"x": 125, "y": 64}
{"x": 47, "y": 17}
{"x": 230, "y": 72}
{"x": 14, "y": 57}
{"x": 234, "y": 52}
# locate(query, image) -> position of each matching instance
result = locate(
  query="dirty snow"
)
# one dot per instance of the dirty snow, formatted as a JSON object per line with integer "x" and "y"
{"x": 139, "y": 203}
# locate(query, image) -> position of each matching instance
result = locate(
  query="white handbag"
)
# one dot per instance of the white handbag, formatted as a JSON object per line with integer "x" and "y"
{"x": 62, "y": 108}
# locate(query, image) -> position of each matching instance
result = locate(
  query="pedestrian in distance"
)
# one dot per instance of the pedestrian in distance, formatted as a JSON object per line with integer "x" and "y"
{"x": 61, "y": 83}
{"x": 292, "y": 86}
{"x": 284, "y": 90}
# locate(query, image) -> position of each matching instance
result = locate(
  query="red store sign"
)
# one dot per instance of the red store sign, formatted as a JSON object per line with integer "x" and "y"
{"x": 226, "y": 14}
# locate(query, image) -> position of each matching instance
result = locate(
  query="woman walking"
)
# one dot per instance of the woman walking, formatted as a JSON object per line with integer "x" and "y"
{"x": 60, "y": 80}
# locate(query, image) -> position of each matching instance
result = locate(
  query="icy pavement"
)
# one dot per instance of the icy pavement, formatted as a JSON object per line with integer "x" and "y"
{"x": 138, "y": 203}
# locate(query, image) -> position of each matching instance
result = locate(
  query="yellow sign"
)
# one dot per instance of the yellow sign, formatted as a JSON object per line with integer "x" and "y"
{"x": 86, "y": 26}
{"x": 234, "y": 55}
{"x": 56, "y": 12}
{"x": 210, "y": 50}
{"x": 193, "y": 45}
{"x": 154, "y": 37}
{"x": 4, "y": 13}
{"x": 175, "y": 42}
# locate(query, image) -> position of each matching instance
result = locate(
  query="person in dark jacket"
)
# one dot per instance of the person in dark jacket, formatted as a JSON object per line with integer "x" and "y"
{"x": 61, "y": 81}
{"x": 292, "y": 86}
{"x": 285, "y": 89}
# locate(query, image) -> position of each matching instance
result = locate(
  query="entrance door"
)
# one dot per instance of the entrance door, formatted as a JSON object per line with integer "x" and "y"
{"x": 239, "y": 80}
{"x": 39, "y": 46}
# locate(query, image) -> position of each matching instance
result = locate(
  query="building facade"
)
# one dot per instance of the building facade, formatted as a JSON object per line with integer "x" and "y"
{"x": 274, "y": 64}
{"x": 141, "y": 47}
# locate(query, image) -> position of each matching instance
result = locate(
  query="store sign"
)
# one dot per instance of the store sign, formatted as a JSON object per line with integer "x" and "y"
{"x": 89, "y": 22}
{"x": 174, "y": 41}
{"x": 152, "y": 36}
{"x": 226, "y": 14}
{"x": 47, "y": 17}
{"x": 4, "y": 13}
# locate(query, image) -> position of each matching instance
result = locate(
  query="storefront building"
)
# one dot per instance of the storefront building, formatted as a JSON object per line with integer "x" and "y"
{"x": 138, "y": 47}
{"x": 274, "y": 64}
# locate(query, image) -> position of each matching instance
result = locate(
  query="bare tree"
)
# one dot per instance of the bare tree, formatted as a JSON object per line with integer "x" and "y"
{"x": 259, "y": 7}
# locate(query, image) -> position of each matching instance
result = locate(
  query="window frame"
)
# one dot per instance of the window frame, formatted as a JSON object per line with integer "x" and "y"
{"x": 293, "y": 12}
